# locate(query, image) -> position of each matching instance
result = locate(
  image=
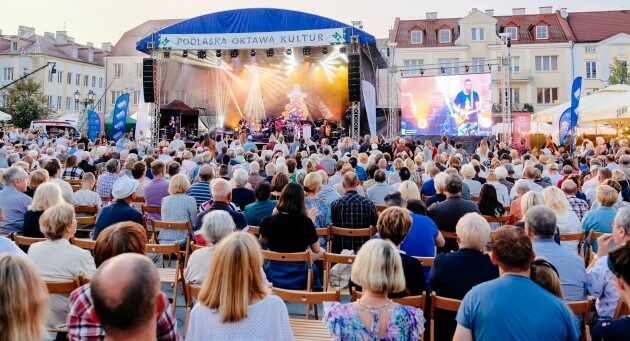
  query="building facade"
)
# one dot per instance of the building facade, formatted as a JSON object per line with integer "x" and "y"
{"x": 78, "y": 68}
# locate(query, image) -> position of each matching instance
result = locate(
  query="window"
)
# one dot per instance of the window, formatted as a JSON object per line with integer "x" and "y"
{"x": 50, "y": 76}
{"x": 58, "y": 102}
{"x": 546, "y": 63}
{"x": 50, "y": 103}
{"x": 448, "y": 66}
{"x": 100, "y": 82}
{"x": 7, "y": 74}
{"x": 181, "y": 95}
{"x": 68, "y": 103}
{"x": 135, "y": 96}
{"x": 515, "y": 95}
{"x": 590, "y": 49}
{"x": 86, "y": 80}
{"x": 138, "y": 70}
{"x": 477, "y": 65}
{"x": 76, "y": 105}
{"x": 78, "y": 80}
{"x": 416, "y": 37}
{"x": 591, "y": 69}
{"x": 59, "y": 77}
{"x": 164, "y": 97}
{"x": 94, "y": 81}
{"x": 515, "y": 63}
{"x": 512, "y": 32}
{"x": 69, "y": 79}
{"x": 14, "y": 46}
{"x": 183, "y": 71}
{"x": 444, "y": 35}
{"x": 411, "y": 67}
{"x": 478, "y": 34}
{"x": 118, "y": 70}
{"x": 115, "y": 95}
{"x": 547, "y": 95}
{"x": 98, "y": 107}
{"x": 542, "y": 32}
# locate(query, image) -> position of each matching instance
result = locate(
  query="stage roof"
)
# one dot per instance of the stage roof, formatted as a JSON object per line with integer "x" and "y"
{"x": 251, "y": 20}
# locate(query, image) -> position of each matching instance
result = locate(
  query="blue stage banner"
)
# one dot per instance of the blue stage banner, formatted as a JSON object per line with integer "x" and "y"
{"x": 94, "y": 125}
{"x": 565, "y": 125}
{"x": 576, "y": 91}
{"x": 119, "y": 120}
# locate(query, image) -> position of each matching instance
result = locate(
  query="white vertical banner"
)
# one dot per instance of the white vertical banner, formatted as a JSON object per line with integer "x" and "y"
{"x": 369, "y": 100}
{"x": 142, "y": 119}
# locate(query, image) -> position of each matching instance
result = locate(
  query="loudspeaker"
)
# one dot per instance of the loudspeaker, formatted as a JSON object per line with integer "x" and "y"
{"x": 148, "y": 83}
{"x": 354, "y": 78}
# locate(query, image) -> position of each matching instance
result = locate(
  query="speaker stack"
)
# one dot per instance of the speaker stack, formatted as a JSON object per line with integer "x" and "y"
{"x": 148, "y": 79}
{"x": 354, "y": 77}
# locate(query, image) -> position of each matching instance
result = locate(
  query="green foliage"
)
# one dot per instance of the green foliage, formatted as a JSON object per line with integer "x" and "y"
{"x": 528, "y": 107}
{"x": 618, "y": 72}
{"x": 27, "y": 103}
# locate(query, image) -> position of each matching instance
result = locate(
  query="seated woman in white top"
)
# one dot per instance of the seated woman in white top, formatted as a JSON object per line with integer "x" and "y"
{"x": 57, "y": 260}
{"x": 216, "y": 225}
{"x": 468, "y": 173}
{"x": 567, "y": 219}
{"x": 234, "y": 303}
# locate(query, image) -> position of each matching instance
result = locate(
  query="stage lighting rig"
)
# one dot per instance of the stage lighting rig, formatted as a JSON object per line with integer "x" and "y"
{"x": 467, "y": 68}
{"x": 185, "y": 53}
{"x": 289, "y": 51}
{"x": 201, "y": 54}
{"x": 270, "y": 53}
{"x": 166, "y": 54}
{"x": 252, "y": 53}
{"x": 218, "y": 54}
{"x": 234, "y": 53}
{"x": 325, "y": 50}
{"x": 421, "y": 71}
{"x": 443, "y": 69}
{"x": 342, "y": 49}
{"x": 306, "y": 51}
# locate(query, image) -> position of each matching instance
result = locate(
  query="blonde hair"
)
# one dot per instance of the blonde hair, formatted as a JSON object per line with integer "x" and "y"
{"x": 179, "y": 183}
{"x": 409, "y": 190}
{"x": 46, "y": 195}
{"x": 130, "y": 161}
{"x": 37, "y": 177}
{"x": 411, "y": 165}
{"x": 618, "y": 175}
{"x": 378, "y": 267}
{"x": 393, "y": 224}
{"x": 56, "y": 219}
{"x": 24, "y": 300}
{"x": 312, "y": 181}
{"x": 606, "y": 195}
{"x": 473, "y": 232}
{"x": 555, "y": 199}
{"x": 468, "y": 171}
{"x": 234, "y": 278}
{"x": 529, "y": 200}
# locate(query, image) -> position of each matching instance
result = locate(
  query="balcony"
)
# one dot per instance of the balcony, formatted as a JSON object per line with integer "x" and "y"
{"x": 521, "y": 75}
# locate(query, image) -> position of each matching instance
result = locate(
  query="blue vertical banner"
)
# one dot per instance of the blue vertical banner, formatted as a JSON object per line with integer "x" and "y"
{"x": 94, "y": 125}
{"x": 576, "y": 91}
{"x": 565, "y": 125}
{"x": 119, "y": 121}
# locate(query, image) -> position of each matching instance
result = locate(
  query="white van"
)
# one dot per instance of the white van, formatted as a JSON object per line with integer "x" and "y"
{"x": 54, "y": 127}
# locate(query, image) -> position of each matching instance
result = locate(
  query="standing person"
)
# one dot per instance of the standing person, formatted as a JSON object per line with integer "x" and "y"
{"x": 238, "y": 303}
{"x": 156, "y": 189}
{"x": 378, "y": 270}
{"x": 525, "y": 311}
{"x": 13, "y": 202}
{"x": 467, "y": 105}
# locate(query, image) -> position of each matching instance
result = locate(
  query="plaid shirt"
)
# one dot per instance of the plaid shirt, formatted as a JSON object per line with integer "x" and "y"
{"x": 579, "y": 206}
{"x": 352, "y": 211}
{"x": 81, "y": 326}
{"x": 72, "y": 174}
{"x": 105, "y": 183}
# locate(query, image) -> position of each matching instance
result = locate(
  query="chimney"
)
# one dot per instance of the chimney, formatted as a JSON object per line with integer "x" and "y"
{"x": 431, "y": 15}
{"x": 25, "y": 31}
{"x": 518, "y": 11}
{"x": 70, "y": 40}
{"x": 564, "y": 12}
{"x": 474, "y": 9}
{"x": 106, "y": 47}
{"x": 490, "y": 12}
{"x": 89, "y": 44}
{"x": 546, "y": 9}
{"x": 61, "y": 37}
{"x": 49, "y": 35}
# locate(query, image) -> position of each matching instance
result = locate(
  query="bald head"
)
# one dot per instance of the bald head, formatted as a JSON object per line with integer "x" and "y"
{"x": 205, "y": 173}
{"x": 350, "y": 181}
{"x": 569, "y": 187}
{"x": 126, "y": 294}
{"x": 221, "y": 190}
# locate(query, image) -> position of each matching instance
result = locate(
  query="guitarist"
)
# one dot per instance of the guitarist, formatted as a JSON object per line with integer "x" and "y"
{"x": 467, "y": 106}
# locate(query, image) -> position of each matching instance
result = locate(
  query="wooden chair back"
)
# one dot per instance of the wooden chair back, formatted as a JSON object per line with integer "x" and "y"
{"x": 86, "y": 220}
{"x": 426, "y": 261}
{"x": 380, "y": 208}
{"x": 181, "y": 226}
{"x": 417, "y": 301}
{"x": 190, "y": 293}
{"x": 73, "y": 182}
{"x": 255, "y": 230}
{"x": 334, "y": 258}
{"x": 474, "y": 198}
{"x": 137, "y": 200}
{"x": 26, "y": 241}
{"x": 584, "y": 308}
{"x": 504, "y": 219}
{"x": 86, "y": 244}
{"x": 64, "y": 287}
{"x": 307, "y": 297}
{"x": 449, "y": 235}
{"x": 75, "y": 187}
{"x": 293, "y": 257}
{"x": 345, "y": 232}
{"x": 86, "y": 209}
{"x": 194, "y": 247}
{"x": 507, "y": 209}
{"x": 441, "y": 303}
{"x": 578, "y": 236}
{"x": 146, "y": 210}
{"x": 163, "y": 249}
{"x": 322, "y": 232}
{"x": 106, "y": 200}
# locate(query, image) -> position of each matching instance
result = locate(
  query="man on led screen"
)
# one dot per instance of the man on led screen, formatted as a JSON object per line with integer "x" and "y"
{"x": 467, "y": 107}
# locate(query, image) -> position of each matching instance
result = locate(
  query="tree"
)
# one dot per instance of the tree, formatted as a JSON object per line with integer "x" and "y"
{"x": 27, "y": 103}
{"x": 619, "y": 73}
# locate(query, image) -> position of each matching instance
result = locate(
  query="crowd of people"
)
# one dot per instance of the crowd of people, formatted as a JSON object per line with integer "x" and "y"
{"x": 510, "y": 208}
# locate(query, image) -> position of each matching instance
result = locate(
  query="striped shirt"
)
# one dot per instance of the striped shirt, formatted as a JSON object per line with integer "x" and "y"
{"x": 200, "y": 191}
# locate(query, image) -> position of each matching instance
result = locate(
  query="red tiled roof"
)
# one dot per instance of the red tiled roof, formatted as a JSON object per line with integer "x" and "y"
{"x": 597, "y": 26}
{"x": 430, "y": 28}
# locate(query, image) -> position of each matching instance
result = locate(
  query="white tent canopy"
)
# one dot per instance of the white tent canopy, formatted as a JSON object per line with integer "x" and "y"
{"x": 4, "y": 116}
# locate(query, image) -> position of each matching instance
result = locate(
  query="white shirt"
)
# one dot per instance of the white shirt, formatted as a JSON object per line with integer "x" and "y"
{"x": 267, "y": 319}
{"x": 175, "y": 144}
{"x": 569, "y": 222}
{"x": 502, "y": 193}
{"x": 66, "y": 189}
{"x": 335, "y": 179}
{"x": 281, "y": 147}
{"x": 83, "y": 197}
{"x": 532, "y": 187}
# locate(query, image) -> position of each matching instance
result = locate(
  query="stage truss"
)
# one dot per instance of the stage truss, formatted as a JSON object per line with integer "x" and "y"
{"x": 155, "y": 126}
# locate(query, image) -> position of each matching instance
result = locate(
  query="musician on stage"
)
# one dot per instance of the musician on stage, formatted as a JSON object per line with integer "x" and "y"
{"x": 242, "y": 124}
{"x": 467, "y": 106}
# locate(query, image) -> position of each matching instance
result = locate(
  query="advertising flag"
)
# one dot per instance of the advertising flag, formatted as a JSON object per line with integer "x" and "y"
{"x": 119, "y": 121}
{"x": 94, "y": 125}
{"x": 565, "y": 125}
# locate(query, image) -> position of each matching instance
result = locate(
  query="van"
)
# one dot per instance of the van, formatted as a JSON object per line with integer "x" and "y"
{"x": 53, "y": 127}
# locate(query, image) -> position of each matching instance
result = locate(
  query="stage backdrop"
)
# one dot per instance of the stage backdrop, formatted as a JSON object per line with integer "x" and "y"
{"x": 446, "y": 105}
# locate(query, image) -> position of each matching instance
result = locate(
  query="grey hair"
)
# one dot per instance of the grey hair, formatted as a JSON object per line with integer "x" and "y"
{"x": 240, "y": 177}
{"x": 14, "y": 173}
{"x": 453, "y": 184}
{"x": 541, "y": 220}
{"x": 220, "y": 188}
{"x": 623, "y": 219}
{"x": 112, "y": 165}
{"x": 473, "y": 231}
{"x": 501, "y": 172}
{"x": 322, "y": 174}
{"x": 217, "y": 225}
{"x": 521, "y": 186}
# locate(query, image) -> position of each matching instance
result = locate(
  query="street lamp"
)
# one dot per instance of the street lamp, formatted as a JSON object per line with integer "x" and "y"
{"x": 86, "y": 101}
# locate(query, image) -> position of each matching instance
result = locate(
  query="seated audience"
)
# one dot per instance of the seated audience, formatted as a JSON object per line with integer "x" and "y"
{"x": 106, "y": 181}
{"x": 377, "y": 192}
{"x": 177, "y": 207}
{"x": 156, "y": 189}
{"x": 326, "y": 193}
{"x": 489, "y": 204}
{"x": 440, "y": 185}
{"x": 200, "y": 190}
{"x": 222, "y": 196}
{"x": 53, "y": 166}
{"x": 120, "y": 210}
{"x": 312, "y": 185}
{"x": 13, "y": 202}
{"x": 566, "y": 219}
{"x": 601, "y": 218}
{"x": 36, "y": 178}
{"x": 263, "y": 207}
{"x": 47, "y": 195}
{"x": 72, "y": 170}
{"x": 86, "y": 195}
{"x": 579, "y": 206}
{"x": 241, "y": 196}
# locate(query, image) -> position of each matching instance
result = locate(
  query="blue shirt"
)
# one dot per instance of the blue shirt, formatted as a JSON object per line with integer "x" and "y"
{"x": 569, "y": 264}
{"x": 115, "y": 213}
{"x": 599, "y": 220}
{"x": 249, "y": 145}
{"x": 420, "y": 241}
{"x": 14, "y": 205}
{"x": 513, "y": 307}
{"x": 200, "y": 191}
{"x": 257, "y": 211}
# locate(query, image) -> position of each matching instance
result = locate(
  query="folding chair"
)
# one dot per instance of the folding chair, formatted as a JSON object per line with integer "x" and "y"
{"x": 335, "y": 258}
{"x": 426, "y": 261}
{"x": 146, "y": 210}
{"x": 350, "y": 233}
{"x": 255, "y": 230}
{"x": 474, "y": 198}
{"x": 89, "y": 210}
{"x": 170, "y": 275}
{"x": 181, "y": 226}
{"x": 621, "y": 310}
{"x": 293, "y": 257}
{"x": 441, "y": 303}
{"x": 449, "y": 235}
{"x": 86, "y": 223}
{"x": 380, "y": 208}
{"x": 507, "y": 209}
{"x": 584, "y": 308}
{"x": 592, "y": 237}
{"x": 503, "y": 220}
{"x": 192, "y": 292}
{"x": 64, "y": 287}
{"x": 26, "y": 241}
{"x": 307, "y": 297}
{"x": 106, "y": 200}
{"x": 86, "y": 244}
{"x": 578, "y": 236}
{"x": 73, "y": 182}
{"x": 416, "y": 301}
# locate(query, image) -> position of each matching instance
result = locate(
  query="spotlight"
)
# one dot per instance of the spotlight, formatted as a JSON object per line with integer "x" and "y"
{"x": 489, "y": 67}
{"x": 466, "y": 68}
{"x": 270, "y": 53}
{"x": 234, "y": 53}
{"x": 325, "y": 50}
{"x": 289, "y": 51}
{"x": 306, "y": 51}
{"x": 421, "y": 71}
{"x": 252, "y": 53}
{"x": 218, "y": 54}
{"x": 342, "y": 49}
{"x": 443, "y": 69}
{"x": 166, "y": 54}
{"x": 185, "y": 54}
{"x": 201, "y": 54}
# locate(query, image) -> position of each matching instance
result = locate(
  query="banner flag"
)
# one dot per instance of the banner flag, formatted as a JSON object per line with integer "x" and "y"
{"x": 576, "y": 91}
{"x": 119, "y": 121}
{"x": 369, "y": 100}
{"x": 565, "y": 125}
{"x": 94, "y": 125}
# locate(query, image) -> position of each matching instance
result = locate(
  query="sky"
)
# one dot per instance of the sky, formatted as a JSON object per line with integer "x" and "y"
{"x": 106, "y": 21}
